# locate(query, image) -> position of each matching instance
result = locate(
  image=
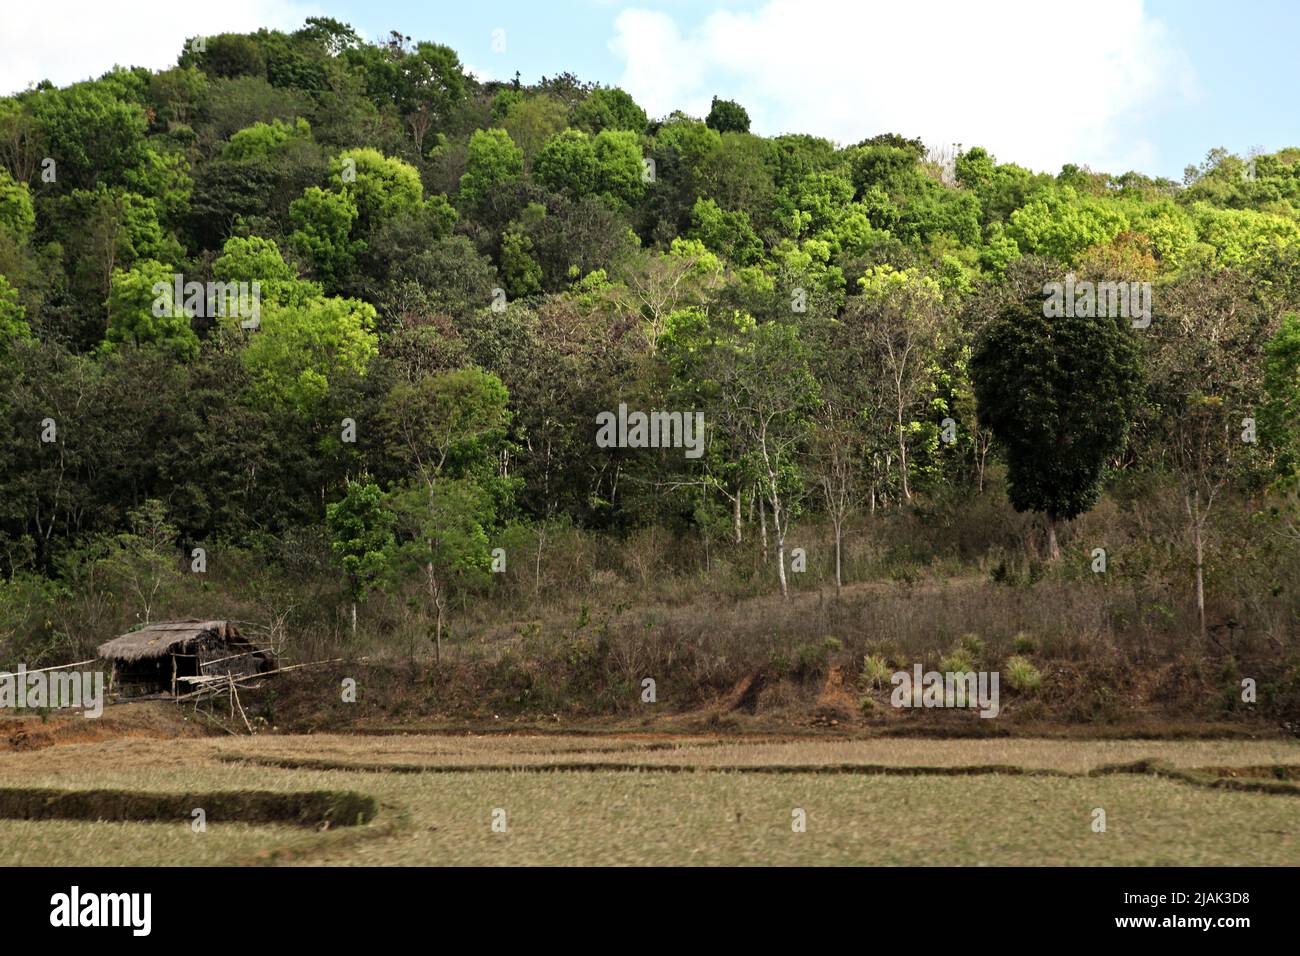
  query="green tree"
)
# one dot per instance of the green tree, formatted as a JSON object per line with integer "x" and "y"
{"x": 567, "y": 164}
{"x": 492, "y": 161}
{"x": 17, "y": 215}
{"x": 901, "y": 318}
{"x": 441, "y": 536}
{"x": 144, "y": 561}
{"x": 609, "y": 108}
{"x": 381, "y": 187}
{"x": 453, "y": 423}
{"x": 729, "y": 234}
{"x": 727, "y": 116}
{"x": 361, "y": 534}
{"x": 1062, "y": 225}
{"x": 533, "y": 121}
{"x": 755, "y": 386}
{"x": 254, "y": 259}
{"x": 519, "y": 267}
{"x": 608, "y": 165}
{"x": 1279, "y": 419}
{"x": 322, "y": 232}
{"x": 141, "y": 311}
{"x": 263, "y": 141}
{"x": 92, "y": 134}
{"x": 13, "y": 323}
{"x": 1059, "y": 395}
{"x": 300, "y": 350}
{"x": 432, "y": 83}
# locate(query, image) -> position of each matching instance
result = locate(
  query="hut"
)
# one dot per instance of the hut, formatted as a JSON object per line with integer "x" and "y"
{"x": 167, "y": 655}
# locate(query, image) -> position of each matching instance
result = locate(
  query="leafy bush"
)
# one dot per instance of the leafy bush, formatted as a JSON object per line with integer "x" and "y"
{"x": 810, "y": 660}
{"x": 875, "y": 670}
{"x": 1024, "y": 643}
{"x": 957, "y": 661}
{"x": 973, "y": 645}
{"x": 1021, "y": 675}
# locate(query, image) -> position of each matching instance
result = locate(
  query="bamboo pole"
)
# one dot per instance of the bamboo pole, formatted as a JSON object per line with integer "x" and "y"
{"x": 59, "y": 667}
{"x": 255, "y": 650}
{"x": 212, "y": 691}
{"x": 294, "y": 667}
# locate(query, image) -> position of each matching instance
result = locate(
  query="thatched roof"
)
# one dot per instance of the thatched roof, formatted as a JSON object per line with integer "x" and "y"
{"x": 166, "y": 637}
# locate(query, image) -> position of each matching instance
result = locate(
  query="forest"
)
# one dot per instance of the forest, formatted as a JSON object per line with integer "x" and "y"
{"x": 517, "y": 376}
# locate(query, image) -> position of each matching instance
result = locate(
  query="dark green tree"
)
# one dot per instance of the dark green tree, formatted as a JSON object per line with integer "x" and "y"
{"x": 727, "y": 116}
{"x": 1059, "y": 394}
{"x": 361, "y": 534}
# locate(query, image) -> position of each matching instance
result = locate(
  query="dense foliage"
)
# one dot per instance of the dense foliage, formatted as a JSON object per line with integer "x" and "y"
{"x": 456, "y": 278}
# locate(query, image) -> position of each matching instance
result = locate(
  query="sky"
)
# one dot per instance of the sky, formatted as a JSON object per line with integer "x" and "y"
{"x": 1150, "y": 85}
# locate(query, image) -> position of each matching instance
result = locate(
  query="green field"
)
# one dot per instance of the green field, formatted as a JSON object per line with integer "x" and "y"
{"x": 630, "y": 800}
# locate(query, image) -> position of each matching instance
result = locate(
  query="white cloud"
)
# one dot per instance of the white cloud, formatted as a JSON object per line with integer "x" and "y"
{"x": 1038, "y": 84}
{"x": 69, "y": 40}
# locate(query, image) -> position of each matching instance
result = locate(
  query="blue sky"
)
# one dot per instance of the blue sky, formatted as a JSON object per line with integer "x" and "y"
{"x": 1115, "y": 84}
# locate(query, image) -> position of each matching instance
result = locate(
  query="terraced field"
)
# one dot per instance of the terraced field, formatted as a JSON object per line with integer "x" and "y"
{"x": 646, "y": 799}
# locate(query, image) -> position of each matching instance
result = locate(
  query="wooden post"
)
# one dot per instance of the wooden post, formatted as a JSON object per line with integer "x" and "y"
{"x": 173, "y": 675}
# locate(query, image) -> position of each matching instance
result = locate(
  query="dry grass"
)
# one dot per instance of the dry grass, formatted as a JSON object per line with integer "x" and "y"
{"x": 726, "y": 816}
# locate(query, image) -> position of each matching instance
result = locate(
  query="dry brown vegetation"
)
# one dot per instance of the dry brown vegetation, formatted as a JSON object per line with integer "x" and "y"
{"x": 727, "y": 801}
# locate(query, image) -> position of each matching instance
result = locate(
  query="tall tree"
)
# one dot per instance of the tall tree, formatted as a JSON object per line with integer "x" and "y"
{"x": 1059, "y": 394}
{"x": 900, "y": 315}
{"x": 361, "y": 534}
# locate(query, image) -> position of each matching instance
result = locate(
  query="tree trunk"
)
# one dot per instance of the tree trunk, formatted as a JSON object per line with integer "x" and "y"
{"x": 436, "y": 599}
{"x": 780, "y": 548}
{"x": 354, "y": 620}
{"x": 1199, "y": 541}
{"x": 437, "y": 643}
{"x": 839, "y": 537}
{"x": 779, "y": 530}
{"x": 1053, "y": 549}
{"x": 902, "y": 455}
{"x": 736, "y": 515}
{"x": 762, "y": 519}
{"x": 537, "y": 565}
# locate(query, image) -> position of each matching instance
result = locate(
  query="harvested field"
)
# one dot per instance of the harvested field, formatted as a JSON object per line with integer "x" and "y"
{"x": 647, "y": 800}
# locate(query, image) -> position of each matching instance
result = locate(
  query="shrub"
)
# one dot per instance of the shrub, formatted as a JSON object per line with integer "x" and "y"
{"x": 1024, "y": 643}
{"x": 973, "y": 645}
{"x": 875, "y": 670}
{"x": 810, "y": 660}
{"x": 1021, "y": 675}
{"x": 957, "y": 661}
